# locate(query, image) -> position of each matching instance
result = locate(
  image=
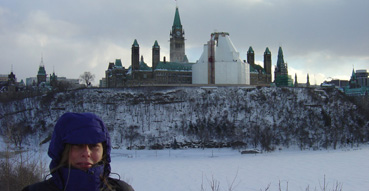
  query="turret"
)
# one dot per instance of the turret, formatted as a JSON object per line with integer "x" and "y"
{"x": 155, "y": 55}
{"x": 251, "y": 56}
{"x": 135, "y": 62}
{"x": 268, "y": 61}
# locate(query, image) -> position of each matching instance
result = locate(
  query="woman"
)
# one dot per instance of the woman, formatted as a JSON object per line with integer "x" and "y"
{"x": 80, "y": 156}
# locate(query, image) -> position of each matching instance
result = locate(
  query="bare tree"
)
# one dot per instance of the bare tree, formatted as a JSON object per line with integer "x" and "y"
{"x": 87, "y": 78}
{"x": 131, "y": 134}
{"x": 16, "y": 132}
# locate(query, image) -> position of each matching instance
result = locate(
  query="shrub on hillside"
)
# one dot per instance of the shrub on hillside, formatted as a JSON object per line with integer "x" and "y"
{"x": 18, "y": 171}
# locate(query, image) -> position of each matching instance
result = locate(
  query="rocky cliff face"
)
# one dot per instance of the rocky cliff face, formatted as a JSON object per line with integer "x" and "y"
{"x": 156, "y": 117}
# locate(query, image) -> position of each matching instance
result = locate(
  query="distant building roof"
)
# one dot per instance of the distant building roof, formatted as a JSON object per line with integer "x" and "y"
{"x": 174, "y": 66}
{"x": 361, "y": 91}
{"x": 41, "y": 70}
{"x": 118, "y": 63}
{"x": 144, "y": 66}
{"x": 185, "y": 59}
{"x": 255, "y": 68}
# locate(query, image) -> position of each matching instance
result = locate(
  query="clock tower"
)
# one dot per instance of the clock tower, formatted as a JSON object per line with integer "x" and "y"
{"x": 177, "y": 44}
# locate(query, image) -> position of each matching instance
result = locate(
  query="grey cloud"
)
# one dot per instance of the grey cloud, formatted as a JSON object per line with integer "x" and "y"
{"x": 73, "y": 30}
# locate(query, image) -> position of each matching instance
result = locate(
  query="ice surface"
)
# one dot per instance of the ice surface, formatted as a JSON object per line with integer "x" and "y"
{"x": 187, "y": 170}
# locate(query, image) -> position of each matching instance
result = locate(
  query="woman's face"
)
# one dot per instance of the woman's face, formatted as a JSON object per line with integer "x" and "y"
{"x": 83, "y": 156}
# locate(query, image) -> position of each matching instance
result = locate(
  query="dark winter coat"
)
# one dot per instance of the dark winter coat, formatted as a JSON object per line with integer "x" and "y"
{"x": 49, "y": 185}
{"x": 79, "y": 128}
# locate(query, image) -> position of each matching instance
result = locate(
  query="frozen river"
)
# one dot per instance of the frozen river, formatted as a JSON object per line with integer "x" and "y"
{"x": 190, "y": 170}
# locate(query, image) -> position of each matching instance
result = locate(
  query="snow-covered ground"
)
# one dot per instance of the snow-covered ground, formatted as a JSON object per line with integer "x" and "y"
{"x": 189, "y": 170}
{"x": 192, "y": 169}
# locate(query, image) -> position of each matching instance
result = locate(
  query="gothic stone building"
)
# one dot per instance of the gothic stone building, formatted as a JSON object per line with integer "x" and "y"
{"x": 258, "y": 74}
{"x": 176, "y": 71}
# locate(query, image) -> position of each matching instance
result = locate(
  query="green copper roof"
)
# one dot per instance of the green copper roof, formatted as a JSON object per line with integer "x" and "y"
{"x": 185, "y": 59}
{"x": 177, "y": 21}
{"x": 267, "y": 51}
{"x": 118, "y": 63}
{"x": 255, "y": 68}
{"x": 144, "y": 66}
{"x": 135, "y": 44}
{"x": 250, "y": 50}
{"x": 156, "y": 44}
{"x": 41, "y": 70}
{"x": 280, "y": 51}
{"x": 53, "y": 77}
{"x": 361, "y": 91}
{"x": 174, "y": 66}
{"x": 280, "y": 60}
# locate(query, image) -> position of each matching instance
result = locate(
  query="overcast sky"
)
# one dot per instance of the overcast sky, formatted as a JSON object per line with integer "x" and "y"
{"x": 325, "y": 38}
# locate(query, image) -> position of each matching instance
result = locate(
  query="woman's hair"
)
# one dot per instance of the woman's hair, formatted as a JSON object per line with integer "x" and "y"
{"x": 64, "y": 159}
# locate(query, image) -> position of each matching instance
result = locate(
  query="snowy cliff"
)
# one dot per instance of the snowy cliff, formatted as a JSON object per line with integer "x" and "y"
{"x": 155, "y": 117}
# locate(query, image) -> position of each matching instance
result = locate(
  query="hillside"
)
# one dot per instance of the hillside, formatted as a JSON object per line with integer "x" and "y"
{"x": 156, "y": 117}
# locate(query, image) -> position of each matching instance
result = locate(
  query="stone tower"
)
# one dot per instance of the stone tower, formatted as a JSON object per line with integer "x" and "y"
{"x": 251, "y": 56}
{"x": 135, "y": 62}
{"x": 268, "y": 65}
{"x": 155, "y": 55}
{"x": 177, "y": 40}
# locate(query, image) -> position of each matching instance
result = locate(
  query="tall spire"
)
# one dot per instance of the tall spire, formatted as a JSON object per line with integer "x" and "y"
{"x": 280, "y": 60}
{"x": 42, "y": 60}
{"x": 41, "y": 69}
{"x": 177, "y": 21}
{"x": 353, "y": 74}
